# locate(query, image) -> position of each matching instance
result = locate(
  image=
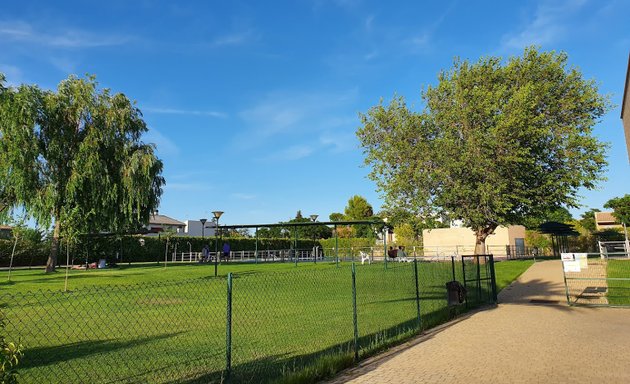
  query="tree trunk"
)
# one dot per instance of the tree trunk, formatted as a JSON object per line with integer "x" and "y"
{"x": 481, "y": 235}
{"x": 54, "y": 248}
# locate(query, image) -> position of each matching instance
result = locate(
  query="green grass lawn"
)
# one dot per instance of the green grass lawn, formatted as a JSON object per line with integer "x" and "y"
{"x": 618, "y": 290}
{"x": 154, "y": 324}
{"x": 508, "y": 271}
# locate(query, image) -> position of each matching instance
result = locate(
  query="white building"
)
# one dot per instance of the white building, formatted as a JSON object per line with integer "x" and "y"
{"x": 194, "y": 228}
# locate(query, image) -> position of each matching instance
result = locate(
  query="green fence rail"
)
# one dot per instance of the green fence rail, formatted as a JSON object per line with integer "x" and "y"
{"x": 246, "y": 327}
{"x": 597, "y": 279}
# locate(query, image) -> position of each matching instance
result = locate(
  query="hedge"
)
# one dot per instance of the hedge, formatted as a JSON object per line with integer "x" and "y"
{"x": 128, "y": 249}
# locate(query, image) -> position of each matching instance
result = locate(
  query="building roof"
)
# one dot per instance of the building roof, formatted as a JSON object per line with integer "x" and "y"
{"x": 164, "y": 220}
{"x": 5, "y": 227}
{"x": 605, "y": 217}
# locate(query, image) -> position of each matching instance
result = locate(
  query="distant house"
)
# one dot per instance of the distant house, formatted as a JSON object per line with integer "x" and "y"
{"x": 160, "y": 223}
{"x": 606, "y": 220}
{"x": 625, "y": 108}
{"x": 5, "y": 231}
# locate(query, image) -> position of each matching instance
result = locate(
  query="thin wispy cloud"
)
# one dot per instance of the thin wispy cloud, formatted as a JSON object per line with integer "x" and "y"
{"x": 188, "y": 187}
{"x": 64, "y": 64}
{"x": 236, "y": 38}
{"x": 24, "y": 32}
{"x": 175, "y": 111}
{"x": 548, "y": 25}
{"x": 165, "y": 146}
{"x": 12, "y": 73}
{"x": 338, "y": 142}
{"x": 243, "y": 196}
{"x": 295, "y": 152}
{"x": 285, "y": 112}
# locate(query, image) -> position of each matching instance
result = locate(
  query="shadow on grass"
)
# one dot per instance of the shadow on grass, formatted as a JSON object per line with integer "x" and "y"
{"x": 43, "y": 356}
{"x": 313, "y": 367}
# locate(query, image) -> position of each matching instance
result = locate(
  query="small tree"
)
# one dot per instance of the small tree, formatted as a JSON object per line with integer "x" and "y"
{"x": 497, "y": 142}
{"x": 621, "y": 208}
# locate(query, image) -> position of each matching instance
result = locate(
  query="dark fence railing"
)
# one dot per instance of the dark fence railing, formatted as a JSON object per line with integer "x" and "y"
{"x": 246, "y": 327}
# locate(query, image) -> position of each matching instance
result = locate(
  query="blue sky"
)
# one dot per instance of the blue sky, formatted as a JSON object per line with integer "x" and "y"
{"x": 254, "y": 105}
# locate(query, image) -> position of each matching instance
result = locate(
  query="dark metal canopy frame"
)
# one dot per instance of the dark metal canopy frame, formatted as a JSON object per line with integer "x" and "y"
{"x": 560, "y": 233}
{"x": 335, "y": 224}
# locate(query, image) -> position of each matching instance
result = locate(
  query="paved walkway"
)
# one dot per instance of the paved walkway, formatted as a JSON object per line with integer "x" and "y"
{"x": 517, "y": 342}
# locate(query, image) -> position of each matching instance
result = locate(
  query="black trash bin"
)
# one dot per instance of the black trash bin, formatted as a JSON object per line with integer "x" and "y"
{"x": 455, "y": 293}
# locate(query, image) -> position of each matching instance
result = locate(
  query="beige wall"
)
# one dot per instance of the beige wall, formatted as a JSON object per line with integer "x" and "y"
{"x": 444, "y": 241}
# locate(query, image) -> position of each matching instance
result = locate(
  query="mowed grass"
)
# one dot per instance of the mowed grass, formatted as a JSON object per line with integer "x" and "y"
{"x": 618, "y": 290}
{"x": 161, "y": 325}
{"x": 24, "y": 280}
{"x": 508, "y": 271}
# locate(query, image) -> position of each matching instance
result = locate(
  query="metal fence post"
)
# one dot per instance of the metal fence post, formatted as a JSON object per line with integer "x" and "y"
{"x": 415, "y": 269}
{"x": 385, "y": 246}
{"x": 464, "y": 280}
{"x": 453, "y": 267}
{"x": 228, "y": 329}
{"x": 295, "y": 248}
{"x": 354, "y": 314}
{"x": 478, "y": 279}
{"x": 493, "y": 280}
{"x": 256, "y": 251}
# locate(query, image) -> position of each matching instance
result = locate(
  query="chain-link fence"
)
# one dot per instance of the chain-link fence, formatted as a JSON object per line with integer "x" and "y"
{"x": 246, "y": 327}
{"x": 597, "y": 279}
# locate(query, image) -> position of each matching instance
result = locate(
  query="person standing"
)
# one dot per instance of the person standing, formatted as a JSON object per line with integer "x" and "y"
{"x": 205, "y": 253}
{"x": 226, "y": 250}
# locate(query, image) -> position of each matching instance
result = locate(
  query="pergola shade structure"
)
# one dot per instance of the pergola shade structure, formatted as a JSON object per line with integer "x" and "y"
{"x": 559, "y": 233}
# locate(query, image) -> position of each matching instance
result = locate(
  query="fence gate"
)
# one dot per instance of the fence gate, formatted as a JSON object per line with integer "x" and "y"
{"x": 597, "y": 279}
{"x": 479, "y": 279}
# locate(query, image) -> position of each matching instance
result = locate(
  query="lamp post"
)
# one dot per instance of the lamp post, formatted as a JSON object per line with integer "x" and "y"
{"x": 217, "y": 216}
{"x": 313, "y": 219}
{"x": 203, "y": 226}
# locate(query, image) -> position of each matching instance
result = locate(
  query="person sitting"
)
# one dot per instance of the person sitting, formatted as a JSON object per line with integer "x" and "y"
{"x": 392, "y": 253}
{"x": 402, "y": 256}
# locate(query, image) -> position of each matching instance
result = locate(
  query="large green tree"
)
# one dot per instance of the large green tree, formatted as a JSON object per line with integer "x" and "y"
{"x": 621, "y": 208}
{"x": 358, "y": 208}
{"x": 73, "y": 158}
{"x": 558, "y": 214}
{"x": 496, "y": 142}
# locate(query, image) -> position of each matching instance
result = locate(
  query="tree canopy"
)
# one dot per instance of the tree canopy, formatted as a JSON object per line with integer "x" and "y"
{"x": 358, "y": 208}
{"x": 621, "y": 208}
{"x": 558, "y": 214}
{"x": 74, "y": 158}
{"x": 588, "y": 220}
{"x": 496, "y": 142}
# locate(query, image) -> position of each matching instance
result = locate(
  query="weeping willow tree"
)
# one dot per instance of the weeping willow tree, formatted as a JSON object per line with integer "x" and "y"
{"x": 73, "y": 159}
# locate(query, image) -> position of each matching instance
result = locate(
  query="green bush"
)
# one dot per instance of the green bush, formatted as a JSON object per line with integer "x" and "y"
{"x": 27, "y": 253}
{"x": 10, "y": 354}
{"x": 129, "y": 249}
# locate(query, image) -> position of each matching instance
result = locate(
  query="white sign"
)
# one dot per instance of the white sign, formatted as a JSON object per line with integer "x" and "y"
{"x": 567, "y": 256}
{"x": 571, "y": 266}
{"x": 582, "y": 258}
